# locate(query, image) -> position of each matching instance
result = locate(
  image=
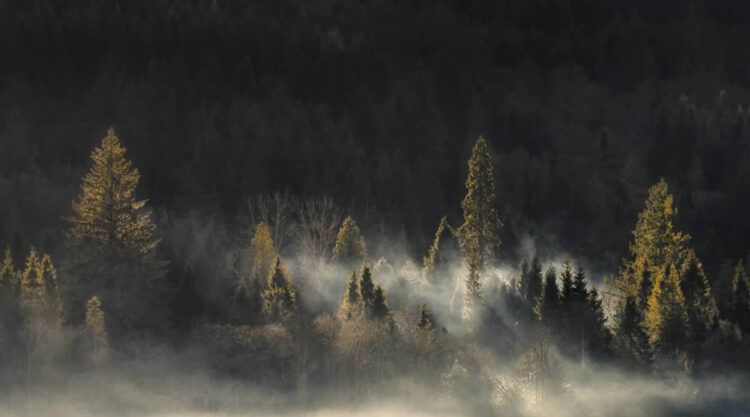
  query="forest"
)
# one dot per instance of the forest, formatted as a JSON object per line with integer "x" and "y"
{"x": 426, "y": 207}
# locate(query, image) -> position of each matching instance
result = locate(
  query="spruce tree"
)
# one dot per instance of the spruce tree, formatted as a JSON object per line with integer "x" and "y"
{"x": 261, "y": 256}
{"x": 632, "y": 340}
{"x": 367, "y": 289}
{"x": 700, "y": 305}
{"x": 350, "y": 249}
{"x": 439, "y": 256}
{"x": 741, "y": 299}
{"x": 8, "y": 276}
{"x": 666, "y": 320}
{"x": 655, "y": 246}
{"x": 279, "y": 298}
{"x": 112, "y": 237}
{"x": 380, "y": 308}
{"x": 548, "y": 307}
{"x": 424, "y": 318}
{"x": 473, "y": 292}
{"x": 481, "y": 222}
{"x": 95, "y": 326}
{"x": 351, "y": 296}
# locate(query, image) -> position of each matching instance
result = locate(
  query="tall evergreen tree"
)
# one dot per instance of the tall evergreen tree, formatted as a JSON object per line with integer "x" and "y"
{"x": 473, "y": 292}
{"x": 741, "y": 299}
{"x": 666, "y": 320}
{"x": 95, "y": 326}
{"x": 350, "y": 249}
{"x": 701, "y": 308}
{"x": 655, "y": 246}
{"x": 424, "y": 317}
{"x": 351, "y": 296}
{"x": 114, "y": 248}
{"x": 367, "y": 289}
{"x": 531, "y": 286}
{"x": 279, "y": 298}
{"x": 481, "y": 222}
{"x": 548, "y": 307}
{"x": 632, "y": 340}
{"x": 438, "y": 258}
{"x": 380, "y": 308}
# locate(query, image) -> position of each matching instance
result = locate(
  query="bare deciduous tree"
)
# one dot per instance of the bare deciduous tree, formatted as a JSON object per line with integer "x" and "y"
{"x": 319, "y": 219}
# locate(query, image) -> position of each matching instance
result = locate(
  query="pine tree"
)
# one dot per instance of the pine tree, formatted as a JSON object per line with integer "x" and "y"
{"x": 632, "y": 340}
{"x": 39, "y": 289}
{"x": 8, "y": 276}
{"x": 741, "y": 299}
{"x": 95, "y": 326}
{"x": 380, "y": 308}
{"x": 439, "y": 255}
{"x": 548, "y": 307}
{"x": 481, "y": 222}
{"x": 666, "y": 320}
{"x": 279, "y": 299}
{"x": 262, "y": 251}
{"x": 424, "y": 318}
{"x": 473, "y": 293}
{"x": 531, "y": 287}
{"x": 350, "y": 249}
{"x": 114, "y": 248}
{"x": 261, "y": 256}
{"x": 367, "y": 289}
{"x": 701, "y": 307}
{"x": 656, "y": 245}
{"x": 351, "y": 296}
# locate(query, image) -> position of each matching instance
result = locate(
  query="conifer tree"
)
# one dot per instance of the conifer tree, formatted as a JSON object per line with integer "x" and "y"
{"x": 531, "y": 287}
{"x": 350, "y": 249}
{"x": 8, "y": 275}
{"x": 261, "y": 256}
{"x": 351, "y": 296}
{"x": 367, "y": 289}
{"x": 380, "y": 308}
{"x": 473, "y": 293}
{"x": 566, "y": 276}
{"x": 655, "y": 246}
{"x": 666, "y": 320}
{"x": 481, "y": 222}
{"x": 741, "y": 299}
{"x": 111, "y": 234}
{"x": 632, "y": 339}
{"x": 262, "y": 251}
{"x": 548, "y": 306}
{"x": 39, "y": 288}
{"x": 439, "y": 255}
{"x": 700, "y": 305}
{"x": 279, "y": 298}
{"x": 95, "y": 326}
{"x": 424, "y": 318}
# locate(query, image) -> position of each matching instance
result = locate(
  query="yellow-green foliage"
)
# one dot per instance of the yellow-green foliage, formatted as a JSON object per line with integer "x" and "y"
{"x": 481, "y": 222}
{"x": 656, "y": 245}
{"x": 279, "y": 299}
{"x": 39, "y": 287}
{"x": 107, "y": 215}
{"x": 666, "y": 319}
{"x": 8, "y": 274}
{"x": 262, "y": 254}
{"x": 435, "y": 260}
{"x": 96, "y": 326}
{"x": 350, "y": 245}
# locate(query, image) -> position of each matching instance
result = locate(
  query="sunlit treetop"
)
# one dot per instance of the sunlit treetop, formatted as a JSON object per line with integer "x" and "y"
{"x": 108, "y": 217}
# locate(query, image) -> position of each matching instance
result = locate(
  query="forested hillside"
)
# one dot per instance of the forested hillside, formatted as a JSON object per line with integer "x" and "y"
{"x": 513, "y": 207}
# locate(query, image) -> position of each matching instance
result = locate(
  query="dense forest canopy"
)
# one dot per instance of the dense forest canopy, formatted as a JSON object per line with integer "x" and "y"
{"x": 282, "y": 205}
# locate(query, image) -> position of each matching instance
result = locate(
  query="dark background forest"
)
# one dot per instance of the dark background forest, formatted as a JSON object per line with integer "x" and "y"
{"x": 377, "y": 104}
